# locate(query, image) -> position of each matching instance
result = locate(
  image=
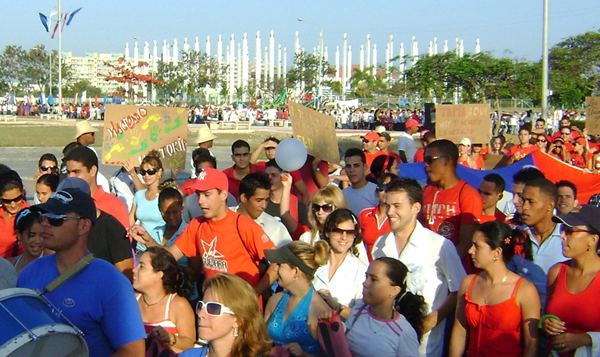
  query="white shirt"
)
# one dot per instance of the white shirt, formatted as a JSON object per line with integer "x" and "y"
{"x": 306, "y": 237}
{"x": 434, "y": 270}
{"x": 346, "y": 284}
{"x": 407, "y": 144}
{"x": 273, "y": 227}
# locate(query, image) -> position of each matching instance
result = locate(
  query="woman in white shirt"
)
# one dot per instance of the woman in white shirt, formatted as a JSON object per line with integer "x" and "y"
{"x": 339, "y": 282}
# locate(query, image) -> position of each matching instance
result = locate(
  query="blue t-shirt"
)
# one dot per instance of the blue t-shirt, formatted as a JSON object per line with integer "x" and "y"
{"x": 99, "y": 300}
{"x": 195, "y": 352}
{"x": 148, "y": 213}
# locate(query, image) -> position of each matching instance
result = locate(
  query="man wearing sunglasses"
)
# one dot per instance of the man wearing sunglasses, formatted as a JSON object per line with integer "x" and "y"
{"x": 98, "y": 299}
{"x": 369, "y": 144}
{"x": 85, "y": 134}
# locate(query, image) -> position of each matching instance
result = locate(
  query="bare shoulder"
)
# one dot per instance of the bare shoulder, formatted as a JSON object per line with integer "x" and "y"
{"x": 464, "y": 284}
{"x": 272, "y": 303}
{"x": 318, "y": 305}
{"x": 181, "y": 305}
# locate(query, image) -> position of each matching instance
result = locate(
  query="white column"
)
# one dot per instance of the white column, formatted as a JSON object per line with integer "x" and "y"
{"x": 297, "y": 44}
{"x": 362, "y": 58}
{"x": 220, "y": 63}
{"x": 186, "y": 45}
{"x": 207, "y": 46}
{"x": 146, "y": 69}
{"x": 391, "y": 50}
{"x": 239, "y": 65}
{"x": 136, "y": 60}
{"x": 456, "y": 46}
{"x": 461, "y": 48}
{"x": 326, "y": 54}
{"x": 374, "y": 59}
{"x": 272, "y": 56}
{"x": 414, "y": 51}
{"x": 154, "y": 68}
{"x": 345, "y": 61}
{"x": 349, "y": 71}
{"x": 402, "y": 60}
{"x": 245, "y": 59}
{"x": 127, "y": 52}
{"x": 285, "y": 62}
{"x": 445, "y": 46}
{"x": 387, "y": 61}
{"x": 196, "y": 45}
{"x": 477, "y": 46}
{"x": 337, "y": 63}
{"x": 266, "y": 67}
{"x": 175, "y": 52}
{"x": 430, "y": 49}
{"x": 257, "y": 61}
{"x": 164, "y": 54}
{"x": 231, "y": 67}
{"x": 279, "y": 61}
{"x": 369, "y": 53}
{"x": 435, "y": 46}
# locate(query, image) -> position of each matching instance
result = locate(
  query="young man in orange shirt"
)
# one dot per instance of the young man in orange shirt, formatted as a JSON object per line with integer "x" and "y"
{"x": 525, "y": 148}
{"x": 369, "y": 144}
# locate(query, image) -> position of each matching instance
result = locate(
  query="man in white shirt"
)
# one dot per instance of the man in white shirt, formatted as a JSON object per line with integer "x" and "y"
{"x": 406, "y": 143}
{"x": 435, "y": 270}
{"x": 362, "y": 193}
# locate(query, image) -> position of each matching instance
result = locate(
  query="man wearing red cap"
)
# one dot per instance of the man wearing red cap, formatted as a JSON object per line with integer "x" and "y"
{"x": 406, "y": 143}
{"x": 227, "y": 241}
{"x": 369, "y": 143}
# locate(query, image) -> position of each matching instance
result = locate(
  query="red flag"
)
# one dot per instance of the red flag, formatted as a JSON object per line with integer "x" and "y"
{"x": 96, "y": 100}
{"x": 54, "y": 31}
{"x": 64, "y": 21}
{"x": 75, "y": 99}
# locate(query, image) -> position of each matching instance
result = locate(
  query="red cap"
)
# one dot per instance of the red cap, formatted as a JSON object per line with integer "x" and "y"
{"x": 371, "y": 136}
{"x": 209, "y": 179}
{"x": 412, "y": 123}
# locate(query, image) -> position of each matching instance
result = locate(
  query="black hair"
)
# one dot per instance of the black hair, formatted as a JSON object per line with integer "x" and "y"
{"x": 526, "y": 175}
{"x": 273, "y": 163}
{"x": 26, "y": 218}
{"x": 569, "y": 184}
{"x": 380, "y": 165}
{"x": 70, "y": 146}
{"x": 84, "y": 156}
{"x": 169, "y": 193}
{"x": 500, "y": 235}
{"x": 199, "y": 152}
{"x": 446, "y": 147}
{"x": 541, "y": 119}
{"x": 10, "y": 180}
{"x": 497, "y": 180}
{"x": 239, "y": 144}
{"x": 175, "y": 279}
{"x": 428, "y": 136}
{"x": 47, "y": 157}
{"x": 49, "y": 180}
{"x": 526, "y": 126}
{"x": 253, "y": 181}
{"x": 272, "y": 138}
{"x": 336, "y": 217}
{"x": 408, "y": 185}
{"x": 411, "y": 306}
{"x": 386, "y": 175}
{"x": 355, "y": 152}
{"x": 546, "y": 187}
{"x": 501, "y": 137}
{"x": 204, "y": 156}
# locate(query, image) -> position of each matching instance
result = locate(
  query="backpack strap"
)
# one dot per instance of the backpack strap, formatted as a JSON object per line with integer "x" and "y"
{"x": 68, "y": 274}
{"x": 360, "y": 311}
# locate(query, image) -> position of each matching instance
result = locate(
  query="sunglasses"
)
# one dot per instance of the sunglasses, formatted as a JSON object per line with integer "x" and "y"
{"x": 430, "y": 159}
{"x": 7, "y": 201}
{"x": 381, "y": 187}
{"x": 213, "y": 308}
{"x": 47, "y": 167}
{"x": 150, "y": 172}
{"x": 327, "y": 208}
{"x": 57, "y": 220}
{"x": 542, "y": 140}
{"x": 367, "y": 141}
{"x": 269, "y": 148}
{"x": 340, "y": 231}
{"x": 570, "y": 230}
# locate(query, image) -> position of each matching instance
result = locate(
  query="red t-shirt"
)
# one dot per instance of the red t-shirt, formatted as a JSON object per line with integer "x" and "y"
{"x": 395, "y": 156}
{"x": 577, "y": 159}
{"x": 8, "y": 236}
{"x": 219, "y": 243}
{"x": 234, "y": 183}
{"x": 419, "y": 155}
{"x": 296, "y": 176}
{"x": 186, "y": 187}
{"x": 498, "y": 216}
{"x": 445, "y": 210}
{"x": 111, "y": 205}
{"x": 307, "y": 174}
{"x": 371, "y": 157}
{"x": 371, "y": 228}
{"x": 522, "y": 152}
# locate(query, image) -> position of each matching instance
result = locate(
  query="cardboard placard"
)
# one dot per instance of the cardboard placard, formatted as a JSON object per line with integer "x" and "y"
{"x": 495, "y": 162}
{"x": 456, "y": 121}
{"x": 316, "y": 130}
{"x": 592, "y": 109}
{"x": 131, "y": 131}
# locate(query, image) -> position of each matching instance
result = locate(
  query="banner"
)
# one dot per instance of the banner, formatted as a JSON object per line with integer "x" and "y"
{"x": 131, "y": 131}
{"x": 456, "y": 121}
{"x": 316, "y": 130}
{"x": 592, "y": 109}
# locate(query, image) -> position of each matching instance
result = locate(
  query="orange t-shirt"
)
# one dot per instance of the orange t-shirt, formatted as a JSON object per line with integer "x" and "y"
{"x": 445, "y": 210}
{"x": 498, "y": 216}
{"x": 371, "y": 157}
{"x": 419, "y": 155}
{"x": 371, "y": 228}
{"x": 522, "y": 151}
{"x": 8, "y": 236}
{"x": 219, "y": 243}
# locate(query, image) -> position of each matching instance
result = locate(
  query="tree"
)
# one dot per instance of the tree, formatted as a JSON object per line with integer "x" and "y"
{"x": 12, "y": 68}
{"x": 129, "y": 74}
{"x": 80, "y": 87}
{"x": 306, "y": 69}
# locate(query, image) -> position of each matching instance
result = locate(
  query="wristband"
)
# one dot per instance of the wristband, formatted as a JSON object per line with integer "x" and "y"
{"x": 547, "y": 316}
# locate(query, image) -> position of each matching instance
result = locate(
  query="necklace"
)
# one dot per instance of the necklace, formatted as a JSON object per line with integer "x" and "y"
{"x": 485, "y": 300}
{"x": 148, "y": 305}
{"x": 542, "y": 234}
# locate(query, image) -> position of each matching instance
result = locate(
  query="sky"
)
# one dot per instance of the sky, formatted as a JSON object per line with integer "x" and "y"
{"x": 511, "y": 28}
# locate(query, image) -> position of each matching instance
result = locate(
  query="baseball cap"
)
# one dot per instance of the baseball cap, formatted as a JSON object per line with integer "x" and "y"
{"x": 372, "y": 136}
{"x": 465, "y": 142}
{"x": 74, "y": 182}
{"x": 209, "y": 179}
{"x": 413, "y": 122}
{"x": 284, "y": 255}
{"x": 423, "y": 133}
{"x": 70, "y": 200}
{"x": 587, "y": 216}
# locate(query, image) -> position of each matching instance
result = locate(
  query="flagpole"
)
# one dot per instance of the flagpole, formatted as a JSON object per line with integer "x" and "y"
{"x": 60, "y": 58}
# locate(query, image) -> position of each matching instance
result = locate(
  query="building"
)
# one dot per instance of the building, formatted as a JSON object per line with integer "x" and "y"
{"x": 87, "y": 68}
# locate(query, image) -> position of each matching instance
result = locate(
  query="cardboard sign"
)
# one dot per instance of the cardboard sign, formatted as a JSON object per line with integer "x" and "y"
{"x": 131, "y": 131}
{"x": 316, "y": 130}
{"x": 456, "y": 121}
{"x": 592, "y": 109}
{"x": 495, "y": 162}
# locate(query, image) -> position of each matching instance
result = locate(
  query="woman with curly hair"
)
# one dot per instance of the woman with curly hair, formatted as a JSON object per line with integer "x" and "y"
{"x": 326, "y": 200}
{"x": 229, "y": 319}
{"x": 163, "y": 289}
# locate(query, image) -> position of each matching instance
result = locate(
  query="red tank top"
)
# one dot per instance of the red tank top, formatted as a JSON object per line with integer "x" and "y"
{"x": 494, "y": 330}
{"x": 580, "y": 312}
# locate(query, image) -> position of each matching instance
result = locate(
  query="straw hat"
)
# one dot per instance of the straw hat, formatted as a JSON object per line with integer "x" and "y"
{"x": 205, "y": 134}
{"x": 84, "y": 127}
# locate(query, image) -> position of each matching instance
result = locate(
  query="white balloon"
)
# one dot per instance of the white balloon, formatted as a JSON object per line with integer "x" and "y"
{"x": 291, "y": 154}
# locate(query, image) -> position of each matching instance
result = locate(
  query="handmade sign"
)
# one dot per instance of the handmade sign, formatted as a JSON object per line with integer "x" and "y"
{"x": 131, "y": 131}
{"x": 316, "y": 130}
{"x": 592, "y": 109}
{"x": 456, "y": 121}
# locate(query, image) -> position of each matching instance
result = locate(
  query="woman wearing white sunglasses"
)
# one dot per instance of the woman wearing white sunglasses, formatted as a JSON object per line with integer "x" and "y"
{"x": 229, "y": 319}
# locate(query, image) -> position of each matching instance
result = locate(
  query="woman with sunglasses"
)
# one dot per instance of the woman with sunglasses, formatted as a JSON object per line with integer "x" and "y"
{"x": 47, "y": 164}
{"x": 292, "y": 316}
{"x": 45, "y": 186}
{"x": 163, "y": 289}
{"x": 580, "y": 155}
{"x": 542, "y": 142}
{"x": 559, "y": 151}
{"x": 573, "y": 320}
{"x": 229, "y": 319}
{"x": 29, "y": 233}
{"x": 339, "y": 282}
{"x": 390, "y": 322}
{"x": 145, "y": 202}
{"x": 326, "y": 200}
{"x": 373, "y": 221}
{"x": 12, "y": 196}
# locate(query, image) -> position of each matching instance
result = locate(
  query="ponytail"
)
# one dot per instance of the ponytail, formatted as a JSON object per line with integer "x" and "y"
{"x": 184, "y": 286}
{"x": 414, "y": 308}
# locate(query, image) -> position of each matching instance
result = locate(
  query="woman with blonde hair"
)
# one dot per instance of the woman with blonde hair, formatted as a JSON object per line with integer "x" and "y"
{"x": 292, "y": 316}
{"x": 229, "y": 319}
{"x": 326, "y": 200}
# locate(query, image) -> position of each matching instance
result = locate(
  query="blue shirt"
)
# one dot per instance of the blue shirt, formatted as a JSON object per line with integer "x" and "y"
{"x": 99, "y": 300}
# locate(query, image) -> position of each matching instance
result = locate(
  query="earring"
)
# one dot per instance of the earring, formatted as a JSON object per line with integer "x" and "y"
{"x": 589, "y": 248}
{"x": 495, "y": 258}
{"x": 235, "y": 332}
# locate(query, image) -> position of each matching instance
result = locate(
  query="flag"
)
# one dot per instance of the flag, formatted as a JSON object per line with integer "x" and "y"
{"x": 84, "y": 96}
{"x": 12, "y": 98}
{"x": 44, "y": 20}
{"x": 50, "y": 100}
{"x": 42, "y": 98}
{"x": 75, "y": 99}
{"x": 72, "y": 15}
{"x": 28, "y": 99}
{"x": 54, "y": 31}
{"x": 64, "y": 21}
{"x": 53, "y": 12}
{"x": 96, "y": 100}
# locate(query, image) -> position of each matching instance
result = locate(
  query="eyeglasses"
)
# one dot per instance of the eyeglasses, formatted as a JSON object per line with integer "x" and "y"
{"x": 213, "y": 308}
{"x": 366, "y": 141}
{"x": 327, "y": 208}
{"x": 269, "y": 148}
{"x": 570, "y": 230}
{"x": 381, "y": 187}
{"x": 430, "y": 159}
{"x": 57, "y": 220}
{"x": 542, "y": 140}
{"x": 47, "y": 167}
{"x": 340, "y": 231}
{"x": 150, "y": 172}
{"x": 7, "y": 201}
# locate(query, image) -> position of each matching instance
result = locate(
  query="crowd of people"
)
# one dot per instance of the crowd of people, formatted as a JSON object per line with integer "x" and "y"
{"x": 94, "y": 111}
{"x": 251, "y": 260}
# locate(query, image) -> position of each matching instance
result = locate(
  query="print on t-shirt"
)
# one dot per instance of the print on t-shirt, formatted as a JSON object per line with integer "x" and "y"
{"x": 211, "y": 257}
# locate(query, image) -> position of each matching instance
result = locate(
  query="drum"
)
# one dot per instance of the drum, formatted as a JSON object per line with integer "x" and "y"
{"x": 31, "y": 326}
